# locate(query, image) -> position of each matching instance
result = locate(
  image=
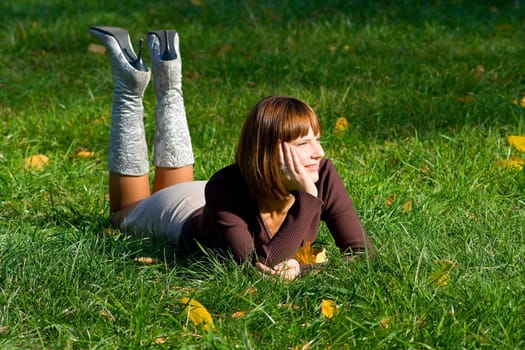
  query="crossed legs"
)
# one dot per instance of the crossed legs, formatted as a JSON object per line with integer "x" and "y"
{"x": 126, "y": 191}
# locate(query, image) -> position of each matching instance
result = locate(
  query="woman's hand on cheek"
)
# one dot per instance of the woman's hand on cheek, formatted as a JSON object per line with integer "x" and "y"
{"x": 288, "y": 269}
{"x": 297, "y": 179}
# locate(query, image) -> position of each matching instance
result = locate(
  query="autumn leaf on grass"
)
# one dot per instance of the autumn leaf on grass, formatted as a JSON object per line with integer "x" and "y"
{"x": 513, "y": 163}
{"x": 238, "y": 314}
{"x": 390, "y": 200}
{"x": 520, "y": 102}
{"x": 84, "y": 154}
{"x": 36, "y": 162}
{"x": 107, "y": 315}
{"x": 310, "y": 255}
{"x": 479, "y": 70}
{"x": 441, "y": 276}
{"x": 161, "y": 340}
{"x": 517, "y": 142}
{"x": 146, "y": 260}
{"x": 329, "y": 308}
{"x": 386, "y": 322}
{"x": 465, "y": 99}
{"x": 197, "y": 313}
{"x": 97, "y": 49}
{"x": 341, "y": 125}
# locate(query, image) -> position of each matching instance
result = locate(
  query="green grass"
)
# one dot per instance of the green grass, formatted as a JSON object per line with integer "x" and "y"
{"x": 428, "y": 127}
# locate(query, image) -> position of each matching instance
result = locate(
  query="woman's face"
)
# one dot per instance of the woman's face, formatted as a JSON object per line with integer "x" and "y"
{"x": 310, "y": 152}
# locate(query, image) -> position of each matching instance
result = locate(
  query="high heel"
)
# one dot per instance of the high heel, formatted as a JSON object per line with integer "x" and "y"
{"x": 172, "y": 136}
{"x": 122, "y": 37}
{"x": 166, "y": 40}
{"x": 128, "y": 151}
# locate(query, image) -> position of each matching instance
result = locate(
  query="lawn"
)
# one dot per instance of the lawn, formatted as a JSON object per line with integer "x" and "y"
{"x": 417, "y": 101}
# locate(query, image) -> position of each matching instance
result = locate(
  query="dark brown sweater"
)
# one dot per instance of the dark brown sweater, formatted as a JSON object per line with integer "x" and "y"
{"x": 231, "y": 221}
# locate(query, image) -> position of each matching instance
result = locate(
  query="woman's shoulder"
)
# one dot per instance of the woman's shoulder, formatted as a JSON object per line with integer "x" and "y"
{"x": 227, "y": 174}
{"x": 227, "y": 180}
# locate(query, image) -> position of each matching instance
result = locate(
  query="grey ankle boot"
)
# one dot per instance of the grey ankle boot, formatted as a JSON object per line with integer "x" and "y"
{"x": 172, "y": 137}
{"x": 128, "y": 151}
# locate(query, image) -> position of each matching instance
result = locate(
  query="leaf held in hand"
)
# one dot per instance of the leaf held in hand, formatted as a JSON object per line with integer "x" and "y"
{"x": 310, "y": 255}
{"x": 329, "y": 308}
{"x": 197, "y": 313}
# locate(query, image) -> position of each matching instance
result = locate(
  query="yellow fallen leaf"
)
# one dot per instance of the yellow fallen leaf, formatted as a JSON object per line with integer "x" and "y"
{"x": 407, "y": 206}
{"x": 161, "y": 340}
{"x": 288, "y": 306}
{"x": 107, "y": 315}
{"x": 513, "y": 163}
{"x": 96, "y": 48}
{"x": 146, "y": 260}
{"x": 197, "y": 313}
{"x": 465, "y": 99}
{"x": 329, "y": 308}
{"x": 517, "y": 142}
{"x": 479, "y": 70}
{"x": 306, "y": 346}
{"x": 249, "y": 291}
{"x": 238, "y": 314}
{"x": 390, "y": 200}
{"x": 522, "y": 103}
{"x": 386, "y": 322}
{"x": 441, "y": 276}
{"x": 341, "y": 126}
{"x": 224, "y": 49}
{"x": 84, "y": 154}
{"x": 36, "y": 162}
{"x": 310, "y": 255}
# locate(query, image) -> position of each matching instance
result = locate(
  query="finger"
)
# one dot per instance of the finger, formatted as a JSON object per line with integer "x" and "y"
{"x": 263, "y": 268}
{"x": 296, "y": 163}
{"x": 281, "y": 155}
{"x": 288, "y": 160}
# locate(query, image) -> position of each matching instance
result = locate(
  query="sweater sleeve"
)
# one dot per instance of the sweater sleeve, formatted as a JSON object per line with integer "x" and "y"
{"x": 340, "y": 215}
{"x": 231, "y": 229}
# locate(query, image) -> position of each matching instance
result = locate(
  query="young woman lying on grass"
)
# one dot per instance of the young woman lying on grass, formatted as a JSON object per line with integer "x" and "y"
{"x": 263, "y": 208}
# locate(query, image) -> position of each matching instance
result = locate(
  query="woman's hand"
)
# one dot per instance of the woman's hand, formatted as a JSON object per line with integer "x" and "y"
{"x": 297, "y": 179}
{"x": 288, "y": 269}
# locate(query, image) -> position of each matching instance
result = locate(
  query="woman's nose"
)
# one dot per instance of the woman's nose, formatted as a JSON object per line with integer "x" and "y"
{"x": 318, "y": 152}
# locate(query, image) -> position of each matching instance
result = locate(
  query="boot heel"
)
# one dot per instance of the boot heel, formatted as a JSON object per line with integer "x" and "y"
{"x": 166, "y": 40}
{"x": 122, "y": 37}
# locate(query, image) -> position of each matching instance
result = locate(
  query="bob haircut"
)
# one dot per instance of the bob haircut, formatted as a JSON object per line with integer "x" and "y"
{"x": 273, "y": 120}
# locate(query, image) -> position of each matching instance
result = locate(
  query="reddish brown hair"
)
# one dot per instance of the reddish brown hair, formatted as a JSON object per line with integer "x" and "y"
{"x": 273, "y": 120}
